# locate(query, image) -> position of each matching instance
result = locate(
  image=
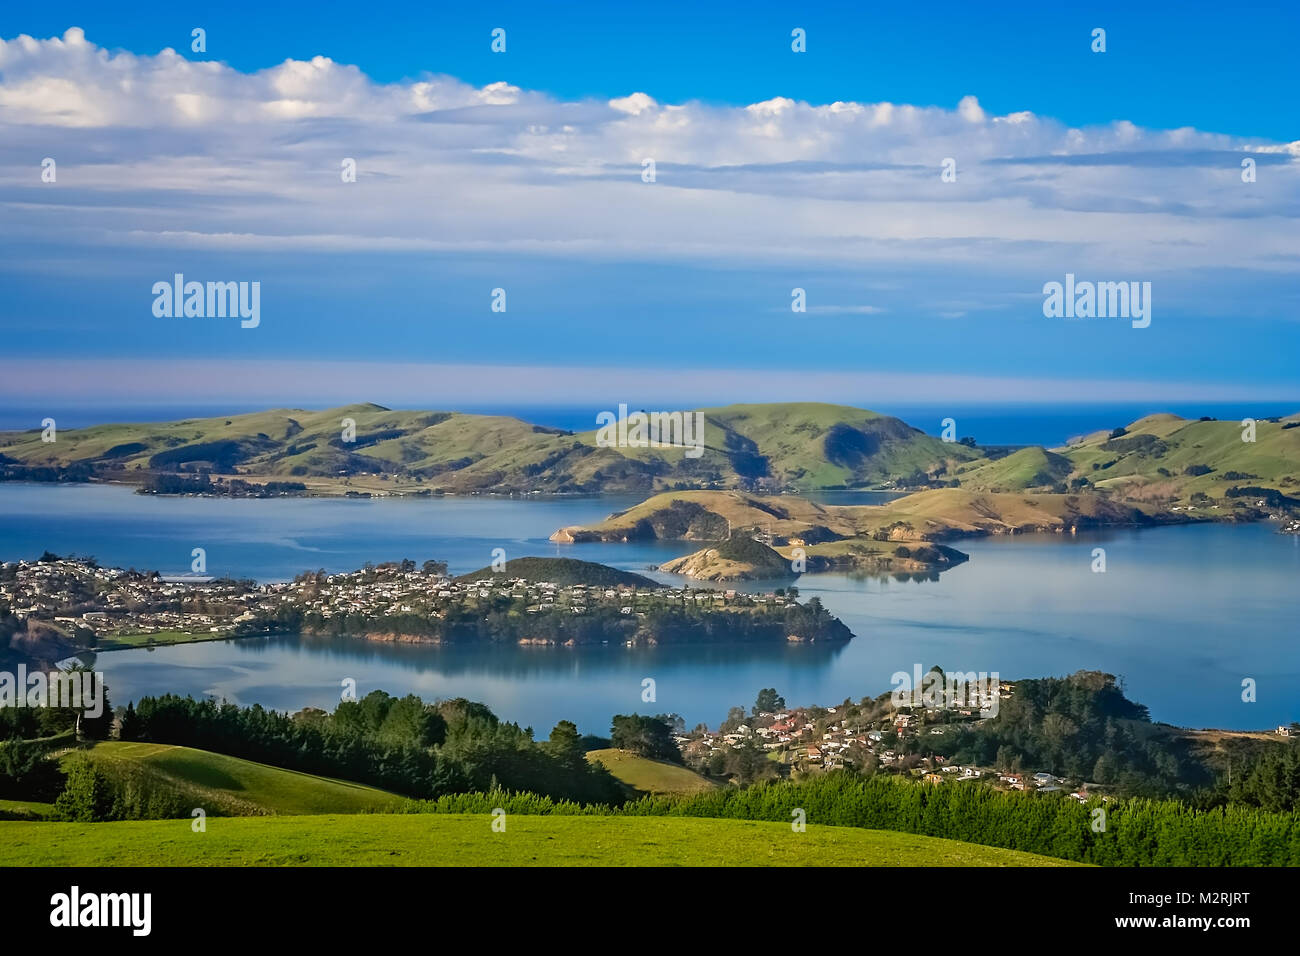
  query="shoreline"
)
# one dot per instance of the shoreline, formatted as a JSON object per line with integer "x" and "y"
{"x": 1157, "y": 519}
{"x": 197, "y": 639}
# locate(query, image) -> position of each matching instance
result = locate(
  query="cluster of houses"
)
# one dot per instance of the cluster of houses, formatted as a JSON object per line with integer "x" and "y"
{"x": 793, "y": 738}
{"x": 813, "y": 739}
{"x": 385, "y": 591}
{"x": 40, "y": 589}
{"x": 74, "y": 594}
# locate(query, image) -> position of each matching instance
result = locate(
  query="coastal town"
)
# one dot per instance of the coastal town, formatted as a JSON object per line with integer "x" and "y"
{"x": 108, "y": 607}
{"x": 869, "y": 736}
{"x": 920, "y": 743}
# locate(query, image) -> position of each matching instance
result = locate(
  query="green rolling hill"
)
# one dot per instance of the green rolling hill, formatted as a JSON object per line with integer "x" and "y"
{"x": 799, "y": 445}
{"x": 1160, "y": 463}
{"x": 230, "y": 786}
{"x": 1189, "y": 456}
{"x": 1032, "y": 467}
{"x": 1167, "y": 467}
{"x": 814, "y": 445}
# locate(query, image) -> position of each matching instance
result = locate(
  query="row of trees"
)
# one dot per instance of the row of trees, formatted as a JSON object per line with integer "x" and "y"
{"x": 31, "y": 723}
{"x": 400, "y": 744}
{"x": 1271, "y": 781}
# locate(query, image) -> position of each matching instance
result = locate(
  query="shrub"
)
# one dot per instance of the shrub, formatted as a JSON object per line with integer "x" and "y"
{"x": 87, "y": 796}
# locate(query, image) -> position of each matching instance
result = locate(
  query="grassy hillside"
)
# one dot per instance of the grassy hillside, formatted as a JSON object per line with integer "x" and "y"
{"x": 230, "y": 786}
{"x": 1027, "y": 468}
{"x": 877, "y": 538}
{"x": 780, "y": 446}
{"x": 1164, "y": 450}
{"x": 468, "y": 840}
{"x": 649, "y": 776}
{"x": 713, "y": 515}
{"x": 815, "y": 445}
{"x": 1161, "y": 460}
{"x": 804, "y": 445}
{"x": 562, "y": 571}
{"x": 791, "y": 520}
{"x": 947, "y": 512}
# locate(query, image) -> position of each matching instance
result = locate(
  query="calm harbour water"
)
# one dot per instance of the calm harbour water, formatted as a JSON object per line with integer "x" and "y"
{"x": 1183, "y": 614}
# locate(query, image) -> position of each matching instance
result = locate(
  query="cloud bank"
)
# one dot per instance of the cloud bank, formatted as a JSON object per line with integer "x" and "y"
{"x": 166, "y": 150}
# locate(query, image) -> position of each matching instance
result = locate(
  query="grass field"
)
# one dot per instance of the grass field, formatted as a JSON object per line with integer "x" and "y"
{"x": 158, "y": 638}
{"x": 468, "y": 840}
{"x": 25, "y": 810}
{"x": 649, "y": 776}
{"x": 230, "y": 786}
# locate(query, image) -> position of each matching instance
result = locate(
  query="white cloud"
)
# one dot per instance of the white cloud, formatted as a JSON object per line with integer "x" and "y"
{"x": 152, "y": 146}
{"x": 636, "y": 104}
{"x": 970, "y": 110}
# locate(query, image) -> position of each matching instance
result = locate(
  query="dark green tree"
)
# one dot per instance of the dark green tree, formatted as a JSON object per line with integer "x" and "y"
{"x": 645, "y": 736}
{"x": 87, "y": 796}
{"x": 768, "y": 701}
{"x": 565, "y": 746}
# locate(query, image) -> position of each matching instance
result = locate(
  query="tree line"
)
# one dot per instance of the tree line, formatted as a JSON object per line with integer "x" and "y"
{"x": 401, "y": 744}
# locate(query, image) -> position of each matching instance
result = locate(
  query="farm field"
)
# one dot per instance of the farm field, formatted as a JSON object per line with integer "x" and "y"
{"x": 469, "y": 840}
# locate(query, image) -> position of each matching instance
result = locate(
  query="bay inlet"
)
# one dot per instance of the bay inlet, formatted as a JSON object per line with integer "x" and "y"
{"x": 1183, "y": 614}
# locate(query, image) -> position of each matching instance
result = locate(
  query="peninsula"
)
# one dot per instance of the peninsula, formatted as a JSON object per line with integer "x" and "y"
{"x": 70, "y": 605}
{"x": 754, "y": 536}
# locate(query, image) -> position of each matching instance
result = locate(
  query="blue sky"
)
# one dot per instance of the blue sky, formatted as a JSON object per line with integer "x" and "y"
{"x": 775, "y": 170}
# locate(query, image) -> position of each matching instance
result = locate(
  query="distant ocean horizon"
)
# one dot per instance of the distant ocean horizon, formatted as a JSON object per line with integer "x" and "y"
{"x": 1019, "y": 424}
